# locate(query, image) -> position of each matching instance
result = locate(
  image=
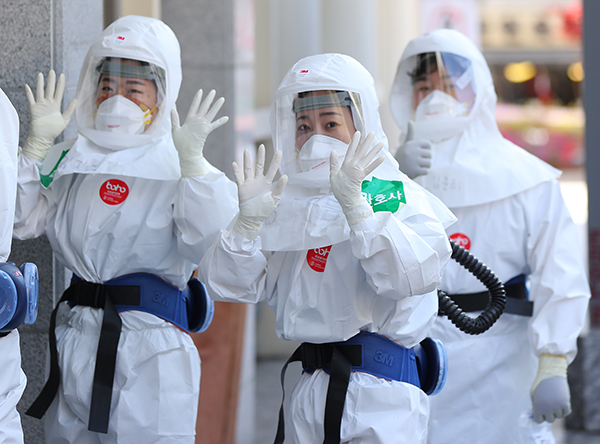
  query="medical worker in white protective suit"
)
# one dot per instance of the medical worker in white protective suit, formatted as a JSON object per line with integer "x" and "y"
{"x": 131, "y": 204}
{"x": 334, "y": 265}
{"x": 508, "y": 384}
{"x": 12, "y": 378}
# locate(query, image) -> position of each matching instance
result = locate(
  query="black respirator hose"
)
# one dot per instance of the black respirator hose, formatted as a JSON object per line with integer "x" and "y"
{"x": 495, "y": 308}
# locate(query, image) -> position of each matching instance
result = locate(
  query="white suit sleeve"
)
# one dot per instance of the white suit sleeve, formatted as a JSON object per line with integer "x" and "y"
{"x": 401, "y": 257}
{"x": 31, "y": 205}
{"x": 12, "y": 385}
{"x": 558, "y": 285}
{"x": 9, "y": 141}
{"x": 235, "y": 268}
{"x": 205, "y": 205}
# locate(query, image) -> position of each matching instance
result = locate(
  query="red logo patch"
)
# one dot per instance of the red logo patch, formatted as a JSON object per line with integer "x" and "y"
{"x": 114, "y": 192}
{"x": 462, "y": 240}
{"x": 317, "y": 258}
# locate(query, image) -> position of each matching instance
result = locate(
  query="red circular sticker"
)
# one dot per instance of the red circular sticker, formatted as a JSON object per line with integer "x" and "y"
{"x": 462, "y": 240}
{"x": 114, "y": 191}
{"x": 317, "y": 258}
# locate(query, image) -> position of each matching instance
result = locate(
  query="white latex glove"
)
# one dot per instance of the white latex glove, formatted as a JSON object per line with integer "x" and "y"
{"x": 550, "y": 393}
{"x": 346, "y": 182}
{"x": 189, "y": 139}
{"x": 414, "y": 156}
{"x": 47, "y": 122}
{"x": 257, "y": 200}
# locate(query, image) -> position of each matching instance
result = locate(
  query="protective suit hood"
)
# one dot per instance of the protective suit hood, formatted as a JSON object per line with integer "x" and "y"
{"x": 151, "y": 154}
{"x": 336, "y": 72}
{"x": 313, "y": 215}
{"x": 479, "y": 165}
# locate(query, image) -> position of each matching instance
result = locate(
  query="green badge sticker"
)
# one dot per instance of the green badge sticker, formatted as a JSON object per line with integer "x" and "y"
{"x": 384, "y": 195}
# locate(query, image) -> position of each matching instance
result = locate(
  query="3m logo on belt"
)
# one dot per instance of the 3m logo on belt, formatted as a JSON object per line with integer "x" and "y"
{"x": 161, "y": 299}
{"x": 383, "y": 358}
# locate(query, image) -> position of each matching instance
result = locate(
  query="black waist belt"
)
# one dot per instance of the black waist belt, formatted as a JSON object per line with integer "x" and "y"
{"x": 516, "y": 300}
{"x": 366, "y": 352}
{"x": 105, "y": 296}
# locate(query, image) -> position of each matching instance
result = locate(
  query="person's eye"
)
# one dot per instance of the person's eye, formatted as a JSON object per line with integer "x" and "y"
{"x": 134, "y": 91}
{"x": 106, "y": 89}
{"x": 332, "y": 125}
{"x": 303, "y": 127}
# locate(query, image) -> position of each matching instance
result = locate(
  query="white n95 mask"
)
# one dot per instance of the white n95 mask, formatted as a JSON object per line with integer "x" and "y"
{"x": 440, "y": 105}
{"x": 120, "y": 115}
{"x": 314, "y": 154}
{"x": 439, "y": 116}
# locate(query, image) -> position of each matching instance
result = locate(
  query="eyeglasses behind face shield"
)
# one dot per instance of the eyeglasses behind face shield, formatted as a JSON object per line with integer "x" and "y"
{"x": 442, "y": 71}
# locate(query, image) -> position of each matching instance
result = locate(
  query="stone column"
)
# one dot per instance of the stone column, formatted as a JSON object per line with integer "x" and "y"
{"x": 584, "y": 372}
{"x": 217, "y": 46}
{"x": 39, "y": 35}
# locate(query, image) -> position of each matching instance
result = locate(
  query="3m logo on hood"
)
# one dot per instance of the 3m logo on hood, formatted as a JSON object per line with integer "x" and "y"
{"x": 303, "y": 73}
{"x": 120, "y": 39}
{"x": 384, "y": 195}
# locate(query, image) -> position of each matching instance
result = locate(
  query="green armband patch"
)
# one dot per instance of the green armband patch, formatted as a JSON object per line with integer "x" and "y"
{"x": 49, "y": 168}
{"x": 384, "y": 195}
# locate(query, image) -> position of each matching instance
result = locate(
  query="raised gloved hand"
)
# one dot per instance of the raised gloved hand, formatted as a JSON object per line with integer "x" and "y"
{"x": 346, "y": 181}
{"x": 414, "y": 156}
{"x": 47, "y": 122}
{"x": 257, "y": 200}
{"x": 550, "y": 390}
{"x": 189, "y": 139}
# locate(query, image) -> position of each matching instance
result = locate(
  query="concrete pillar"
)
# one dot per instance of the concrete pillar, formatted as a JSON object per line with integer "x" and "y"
{"x": 39, "y": 35}
{"x": 584, "y": 372}
{"x": 217, "y": 46}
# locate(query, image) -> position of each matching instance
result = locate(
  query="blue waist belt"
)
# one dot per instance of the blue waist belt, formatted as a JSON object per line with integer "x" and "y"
{"x": 138, "y": 291}
{"x": 365, "y": 352}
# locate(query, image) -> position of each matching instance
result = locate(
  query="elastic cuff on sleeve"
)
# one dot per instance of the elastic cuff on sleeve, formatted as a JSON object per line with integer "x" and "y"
{"x": 550, "y": 366}
{"x": 193, "y": 166}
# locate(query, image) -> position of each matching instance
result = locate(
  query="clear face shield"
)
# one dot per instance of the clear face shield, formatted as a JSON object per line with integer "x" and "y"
{"x": 122, "y": 95}
{"x": 312, "y": 124}
{"x": 443, "y": 85}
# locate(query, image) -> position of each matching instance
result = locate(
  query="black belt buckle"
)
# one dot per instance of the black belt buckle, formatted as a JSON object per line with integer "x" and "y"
{"x": 88, "y": 294}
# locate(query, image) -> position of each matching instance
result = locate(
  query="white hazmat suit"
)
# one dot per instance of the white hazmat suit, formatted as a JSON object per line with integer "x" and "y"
{"x": 13, "y": 380}
{"x": 112, "y": 204}
{"x": 511, "y": 216}
{"x": 326, "y": 278}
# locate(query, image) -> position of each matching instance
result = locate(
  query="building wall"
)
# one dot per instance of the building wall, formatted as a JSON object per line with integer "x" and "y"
{"x": 39, "y": 35}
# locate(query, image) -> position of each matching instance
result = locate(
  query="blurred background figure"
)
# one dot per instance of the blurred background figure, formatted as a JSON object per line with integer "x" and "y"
{"x": 512, "y": 216}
